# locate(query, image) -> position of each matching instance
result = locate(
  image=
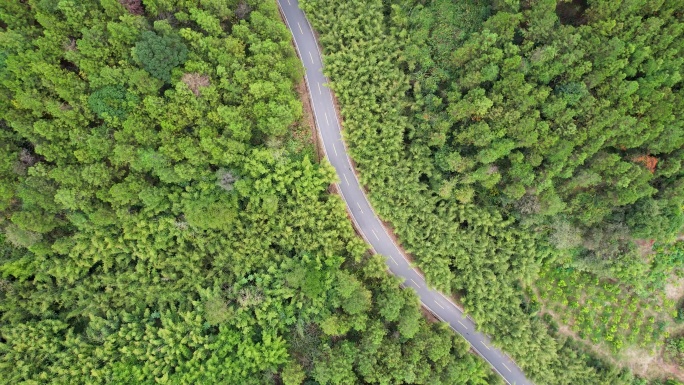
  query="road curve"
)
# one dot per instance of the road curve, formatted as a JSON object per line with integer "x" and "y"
{"x": 367, "y": 222}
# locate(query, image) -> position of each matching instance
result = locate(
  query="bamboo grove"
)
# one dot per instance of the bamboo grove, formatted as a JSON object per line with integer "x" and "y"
{"x": 502, "y": 139}
{"x": 163, "y": 220}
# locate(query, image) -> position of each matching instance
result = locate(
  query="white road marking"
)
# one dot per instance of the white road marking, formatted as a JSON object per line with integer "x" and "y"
{"x": 300, "y": 28}
{"x": 505, "y": 366}
{"x": 395, "y": 262}
{"x": 288, "y": 2}
{"x": 439, "y": 304}
{"x": 345, "y": 178}
{"x": 414, "y": 282}
{"x": 485, "y": 345}
{"x": 462, "y": 324}
{"x": 335, "y": 148}
{"x": 326, "y": 118}
{"x": 319, "y": 89}
{"x": 376, "y": 235}
{"x": 311, "y": 56}
{"x": 359, "y": 204}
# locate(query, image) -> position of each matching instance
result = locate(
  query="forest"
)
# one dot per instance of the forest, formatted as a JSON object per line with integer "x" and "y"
{"x": 529, "y": 156}
{"x": 164, "y": 217}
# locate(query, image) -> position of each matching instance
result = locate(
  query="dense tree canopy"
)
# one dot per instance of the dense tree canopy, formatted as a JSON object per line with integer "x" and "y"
{"x": 578, "y": 114}
{"x": 163, "y": 220}
{"x": 504, "y": 137}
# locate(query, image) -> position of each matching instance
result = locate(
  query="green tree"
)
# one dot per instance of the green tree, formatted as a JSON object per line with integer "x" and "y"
{"x": 159, "y": 54}
{"x": 293, "y": 374}
{"x": 111, "y": 102}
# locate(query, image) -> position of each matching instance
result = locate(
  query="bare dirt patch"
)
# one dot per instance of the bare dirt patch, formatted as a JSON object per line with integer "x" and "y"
{"x": 645, "y": 247}
{"x": 660, "y": 367}
{"x": 675, "y": 289}
{"x": 651, "y": 365}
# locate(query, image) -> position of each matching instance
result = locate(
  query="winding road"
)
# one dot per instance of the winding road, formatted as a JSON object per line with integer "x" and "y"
{"x": 365, "y": 219}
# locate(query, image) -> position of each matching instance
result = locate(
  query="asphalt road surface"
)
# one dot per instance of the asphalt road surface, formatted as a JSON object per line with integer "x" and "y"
{"x": 359, "y": 207}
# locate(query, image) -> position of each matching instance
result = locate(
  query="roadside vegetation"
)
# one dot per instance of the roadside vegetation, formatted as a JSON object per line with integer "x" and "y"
{"x": 163, "y": 218}
{"x": 528, "y": 155}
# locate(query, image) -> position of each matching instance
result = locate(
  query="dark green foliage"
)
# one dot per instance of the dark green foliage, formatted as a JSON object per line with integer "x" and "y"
{"x": 159, "y": 55}
{"x": 111, "y": 102}
{"x": 11, "y": 165}
{"x": 497, "y": 140}
{"x": 574, "y": 118}
{"x": 674, "y": 350}
{"x": 183, "y": 236}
